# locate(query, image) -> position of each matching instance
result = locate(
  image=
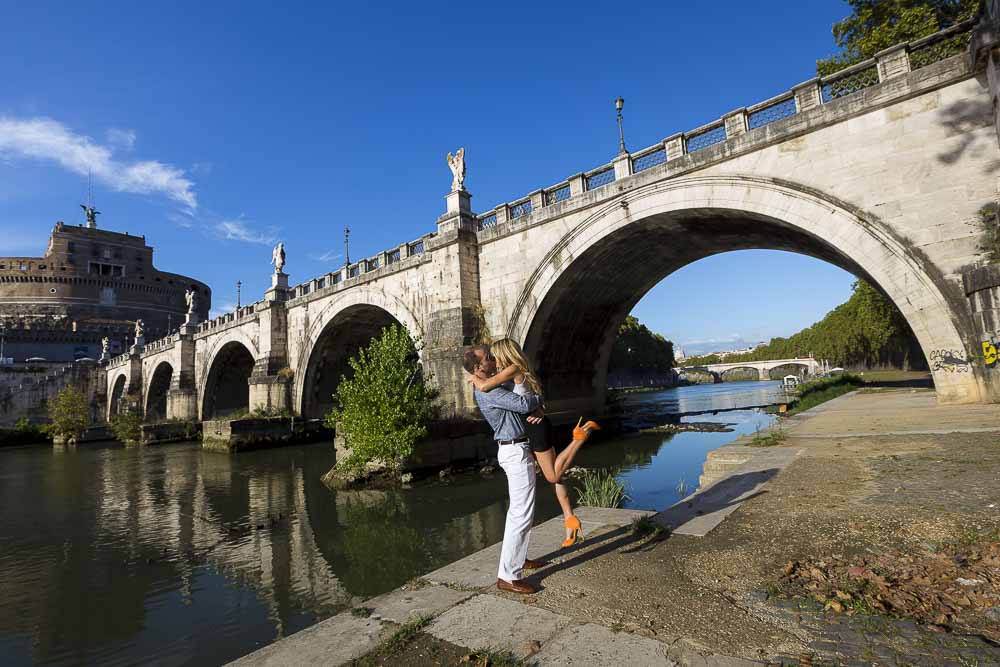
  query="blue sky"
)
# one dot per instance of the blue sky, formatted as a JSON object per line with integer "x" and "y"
{"x": 216, "y": 129}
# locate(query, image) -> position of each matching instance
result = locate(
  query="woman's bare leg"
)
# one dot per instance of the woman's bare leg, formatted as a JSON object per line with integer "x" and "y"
{"x": 546, "y": 460}
{"x": 565, "y": 459}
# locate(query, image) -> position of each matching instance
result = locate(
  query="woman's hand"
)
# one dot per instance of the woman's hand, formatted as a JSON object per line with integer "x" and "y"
{"x": 473, "y": 380}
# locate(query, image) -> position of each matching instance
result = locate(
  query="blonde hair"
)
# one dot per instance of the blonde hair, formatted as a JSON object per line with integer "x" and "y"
{"x": 508, "y": 353}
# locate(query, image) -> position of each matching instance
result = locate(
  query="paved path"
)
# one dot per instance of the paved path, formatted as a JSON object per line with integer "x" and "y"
{"x": 467, "y": 611}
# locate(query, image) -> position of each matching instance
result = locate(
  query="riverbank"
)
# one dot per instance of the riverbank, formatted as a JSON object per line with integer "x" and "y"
{"x": 888, "y": 477}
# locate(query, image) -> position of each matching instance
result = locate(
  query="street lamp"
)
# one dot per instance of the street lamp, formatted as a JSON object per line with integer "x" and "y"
{"x": 3, "y": 338}
{"x": 347, "y": 246}
{"x": 239, "y": 285}
{"x": 619, "y": 103}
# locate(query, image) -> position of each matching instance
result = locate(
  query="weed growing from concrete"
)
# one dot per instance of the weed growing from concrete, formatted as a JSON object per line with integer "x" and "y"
{"x": 646, "y": 525}
{"x": 683, "y": 488}
{"x": 361, "y": 612}
{"x": 601, "y": 489}
{"x": 494, "y": 657}
{"x": 768, "y": 439}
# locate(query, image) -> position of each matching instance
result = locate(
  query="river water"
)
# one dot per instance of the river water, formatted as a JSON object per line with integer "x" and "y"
{"x": 118, "y": 556}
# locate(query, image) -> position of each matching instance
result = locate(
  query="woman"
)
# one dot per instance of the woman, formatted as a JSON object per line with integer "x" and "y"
{"x": 513, "y": 367}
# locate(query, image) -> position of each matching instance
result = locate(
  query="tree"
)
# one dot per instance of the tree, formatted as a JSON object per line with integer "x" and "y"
{"x": 383, "y": 410}
{"x": 127, "y": 427}
{"x": 69, "y": 414}
{"x": 637, "y": 349}
{"x": 875, "y": 25}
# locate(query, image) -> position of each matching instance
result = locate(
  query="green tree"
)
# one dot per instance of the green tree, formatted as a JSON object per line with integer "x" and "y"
{"x": 69, "y": 414}
{"x": 875, "y": 25}
{"x": 127, "y": 426}
{"x": 639, "y": 351}
{"x": 383, "y": 410}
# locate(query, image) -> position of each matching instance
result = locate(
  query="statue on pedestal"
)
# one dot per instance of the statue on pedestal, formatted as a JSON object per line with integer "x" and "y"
{"x": 278, "y": 257}
{"x": 456, "y": 163}
{"x": 140, "y": 329}
{"x": 91, "y": 214}
{"x": 105, "y": 347}
{"x": 191, "y": 297}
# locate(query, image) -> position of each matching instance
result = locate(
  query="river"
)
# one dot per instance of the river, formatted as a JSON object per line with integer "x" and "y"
{"x": 118, "y": 556}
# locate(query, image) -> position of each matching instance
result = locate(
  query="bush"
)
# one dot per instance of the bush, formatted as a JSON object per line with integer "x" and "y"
{"x": 23, "y": 433}
{"x": 383, "y": 410}
{"x": 819, "y": 391}
{"x": 127, "y": 427}
{"x": 69, "y": 414}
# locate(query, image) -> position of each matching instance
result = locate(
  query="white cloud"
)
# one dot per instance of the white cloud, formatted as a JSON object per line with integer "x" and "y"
{"x": 238, "y": 230}
{"x": 124, "y": 139}
{"x": 327, "y": 256}
{"x": 47, "y": 139}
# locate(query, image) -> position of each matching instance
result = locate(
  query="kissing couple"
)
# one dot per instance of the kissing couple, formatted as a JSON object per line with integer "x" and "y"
{"x": 509, "y": 398}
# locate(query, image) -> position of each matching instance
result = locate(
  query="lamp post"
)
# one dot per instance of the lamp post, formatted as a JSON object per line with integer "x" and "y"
{"x": 3, "y": 338}
{"x": 239, "y": 286}
{"x": 347, "y": 246}
{"x": 619, "y": 103}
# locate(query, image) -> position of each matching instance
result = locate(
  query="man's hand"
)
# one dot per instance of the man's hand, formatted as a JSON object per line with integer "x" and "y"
{"x": 536, "y": 416}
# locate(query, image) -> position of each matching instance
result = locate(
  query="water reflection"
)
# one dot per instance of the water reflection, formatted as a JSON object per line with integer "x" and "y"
{"x": 115, "y": 556}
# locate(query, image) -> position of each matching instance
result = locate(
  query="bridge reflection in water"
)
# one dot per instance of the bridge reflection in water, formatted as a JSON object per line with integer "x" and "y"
{"x": 112, "y": 555}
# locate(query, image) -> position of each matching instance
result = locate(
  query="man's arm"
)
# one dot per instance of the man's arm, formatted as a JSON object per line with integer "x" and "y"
{"x": 505, "y": 399}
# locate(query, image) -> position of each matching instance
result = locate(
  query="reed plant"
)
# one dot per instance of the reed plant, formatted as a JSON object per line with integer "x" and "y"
{"x": 600, "y": 488}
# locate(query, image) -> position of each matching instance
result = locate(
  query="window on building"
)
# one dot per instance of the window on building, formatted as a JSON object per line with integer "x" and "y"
{"x": 70, "y": 246}
{"x": 24, "y": 267}
{"x": 109, "y": 270}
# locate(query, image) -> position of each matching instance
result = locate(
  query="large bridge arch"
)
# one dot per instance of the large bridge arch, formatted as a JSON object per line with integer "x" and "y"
{"x": 225, "y": 374}
{"x": 117, "y": 389}
{"x": 155, "y": 395}
{"x": 595, "y": 274}
{"x": 345, "y": 324}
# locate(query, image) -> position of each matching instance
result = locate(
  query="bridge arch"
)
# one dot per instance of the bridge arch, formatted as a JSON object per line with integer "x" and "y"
{"x": 346, "y": 323}
{"x": 116, "y": 392}
{"x": 801, "y": 369}
{"x": 596, "y": 273}
{"x": 225, "y": 387}
{"x": 755, "y": 370}
{"x": 156, "y": 391}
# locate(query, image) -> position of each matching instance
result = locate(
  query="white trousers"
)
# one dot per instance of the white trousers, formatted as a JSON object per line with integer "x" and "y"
{"x": 519, "y": 465}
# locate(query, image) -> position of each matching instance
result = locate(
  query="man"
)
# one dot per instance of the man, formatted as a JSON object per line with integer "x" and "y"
{"x": 506, "y": 413}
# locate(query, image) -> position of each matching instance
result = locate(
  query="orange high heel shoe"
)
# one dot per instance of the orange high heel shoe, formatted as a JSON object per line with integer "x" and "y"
{"x": 581, "y": 432}
{"x": 573, "y": 524}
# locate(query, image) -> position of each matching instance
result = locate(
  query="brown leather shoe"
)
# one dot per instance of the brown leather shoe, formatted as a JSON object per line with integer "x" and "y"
{"x": 534, "y": 564}
{"x": 516, "y": 586}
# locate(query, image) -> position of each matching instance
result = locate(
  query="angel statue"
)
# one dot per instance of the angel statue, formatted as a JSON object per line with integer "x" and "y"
{"x": 278, "y": 257}
{"x": 140, "y": 329}
{"x": 457, "y": 164}
{"x": 191, "y": 297}
{"x": 105, "y": 346}
{"x": 91, "y": 214}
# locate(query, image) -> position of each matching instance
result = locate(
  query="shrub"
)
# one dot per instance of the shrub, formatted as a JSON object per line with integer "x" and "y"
{"x": 69, "y": 414}
{"x": 126, "y": 426}
{"x": 601, "y": 489}
{"x": 819, "y": 391}
{"x": 383, "y": 410}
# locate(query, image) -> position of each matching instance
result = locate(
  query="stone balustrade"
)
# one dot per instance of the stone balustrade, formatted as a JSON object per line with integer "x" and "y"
{"x": 887, "y": 64}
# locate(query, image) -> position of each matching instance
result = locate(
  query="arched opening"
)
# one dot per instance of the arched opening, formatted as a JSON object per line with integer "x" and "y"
{"x": 740, "y": 374}
{"x": 117, "y": 395}
{"x": 594, "y": 276}
{"x": 156, "y": 395}
{"x": 341, "y": 338}
{"x": 227, "y": 388}
{"x": 801, "y": 371}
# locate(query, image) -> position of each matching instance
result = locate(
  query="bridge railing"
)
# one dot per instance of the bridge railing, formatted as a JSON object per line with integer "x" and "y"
{"x": 384, "y": 259}
{"x": 886, "y": 64}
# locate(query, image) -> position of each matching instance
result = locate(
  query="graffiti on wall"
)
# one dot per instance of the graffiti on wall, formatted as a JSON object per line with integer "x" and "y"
{"x": 990, "y": 355}
{"x": 949, "y": 361}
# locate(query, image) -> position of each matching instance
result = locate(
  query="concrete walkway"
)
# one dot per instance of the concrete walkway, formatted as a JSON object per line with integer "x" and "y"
{"x": 468, "y": 611}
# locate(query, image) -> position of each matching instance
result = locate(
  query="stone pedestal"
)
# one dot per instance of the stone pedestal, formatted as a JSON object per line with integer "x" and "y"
{"x": 459, "y": 201}
{"x": 271, "y": 393}
{"x": 279, "y": 287}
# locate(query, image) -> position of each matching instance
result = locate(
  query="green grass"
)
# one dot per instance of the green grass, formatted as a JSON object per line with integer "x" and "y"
{"x": 601, "y": 489}
{"x": 494, "y": 657}
{"x": 394, "y": 644}
{"x": 645, "y": 526}
{"x": 811, "y": 394}
{"x": 768, "y": 439}
{"x": 683, "y": 488}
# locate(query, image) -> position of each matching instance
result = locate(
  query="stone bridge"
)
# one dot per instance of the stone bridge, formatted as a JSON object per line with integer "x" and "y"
{"x": 763, "y": 368}
{"x": 880, "y": 169}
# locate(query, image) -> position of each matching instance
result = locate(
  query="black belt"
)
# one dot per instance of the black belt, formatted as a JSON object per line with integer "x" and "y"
{"x": 515, "y": 441}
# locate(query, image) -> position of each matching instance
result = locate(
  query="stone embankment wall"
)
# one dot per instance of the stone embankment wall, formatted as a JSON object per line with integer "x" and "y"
{"x": 25, "y": 393}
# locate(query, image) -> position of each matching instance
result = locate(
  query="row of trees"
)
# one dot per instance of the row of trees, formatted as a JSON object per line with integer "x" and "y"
{"x": 865, "y": 331}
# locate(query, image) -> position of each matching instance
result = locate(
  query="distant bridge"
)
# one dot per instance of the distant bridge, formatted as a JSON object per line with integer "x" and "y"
{"x": 763, "y": 368}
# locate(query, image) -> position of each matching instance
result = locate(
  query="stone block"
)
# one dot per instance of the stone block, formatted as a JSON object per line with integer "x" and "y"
{"x": 486, "y": 621}
{"x": 335, "y": 641}
{"x": 401, "y": 605}
{"x": 592, "y": 644}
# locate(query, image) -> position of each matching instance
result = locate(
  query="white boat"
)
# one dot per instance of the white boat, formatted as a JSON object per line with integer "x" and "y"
{"x": 790, "y": 381}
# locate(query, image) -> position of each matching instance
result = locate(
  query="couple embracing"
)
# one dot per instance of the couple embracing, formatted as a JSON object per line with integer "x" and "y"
{"x": 508, "y": 394}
